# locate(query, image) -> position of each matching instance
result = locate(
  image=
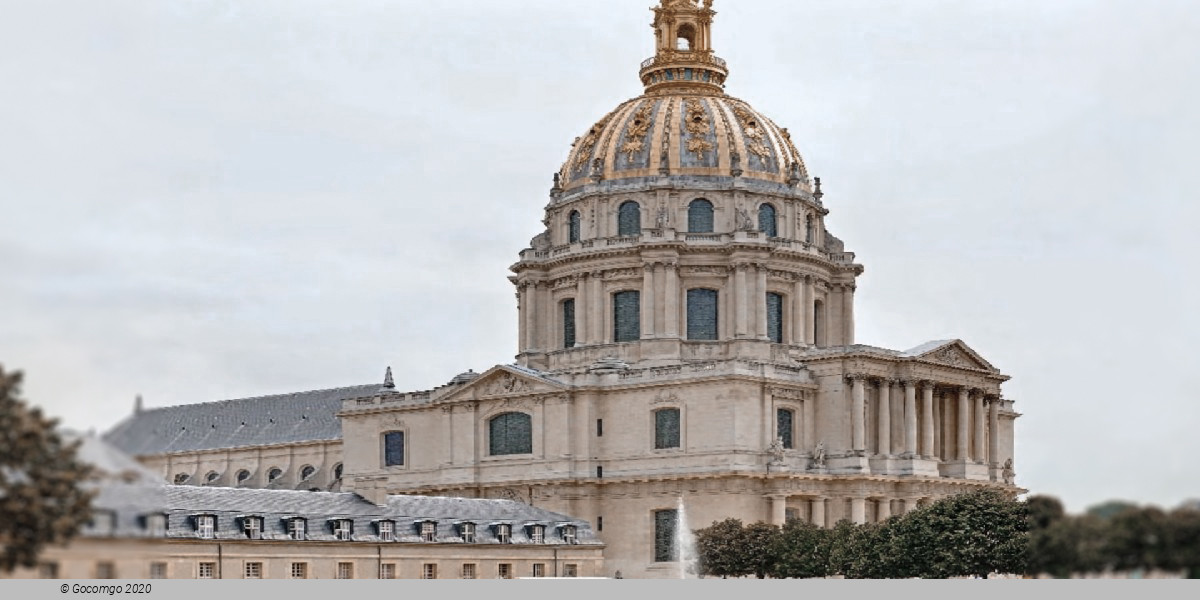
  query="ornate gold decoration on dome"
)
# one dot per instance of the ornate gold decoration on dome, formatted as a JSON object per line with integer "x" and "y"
{"x": 635, "y": 139}
{"x": 584, "y": 150}
{"x": 698, "y": 126}
{"x": 754, "y": 133}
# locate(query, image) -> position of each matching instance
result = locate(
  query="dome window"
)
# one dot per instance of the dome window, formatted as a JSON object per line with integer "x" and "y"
{"x": 685, "y": 38}
{"x": 573, "y": 227}
{"x": 767, "y": 222}
{"x": 700, "y": 216}
{"x": 629, "y": 219}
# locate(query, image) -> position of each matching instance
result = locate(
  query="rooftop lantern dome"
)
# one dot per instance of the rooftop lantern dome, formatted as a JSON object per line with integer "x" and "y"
{"x": 683, "y": 59}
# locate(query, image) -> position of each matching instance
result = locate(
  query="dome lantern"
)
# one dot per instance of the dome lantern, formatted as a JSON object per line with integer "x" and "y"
{"x": 683, "y": 59}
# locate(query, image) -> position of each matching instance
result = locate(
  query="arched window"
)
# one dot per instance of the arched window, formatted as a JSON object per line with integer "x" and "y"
{"x": 307, "y": 471}
{"x": 785, "y": 419}
{"x": 702, "y": 314}
{"x": 629, "y": 219}
{"x": 700, "y": 216}
{"x": 212, "y": 477}
{"x": 243, "y": 475}
{"x": 666, "y": 548}
{"x": 775, "y": 317}
{"x": 819, "y": 323}
{"x": 627, "y": 316}
{"x": 573, "y": 227}
{"x": 808, "y": 229}
{"x": 274, "y": 474}
{"x": 685, "y": 38}
{"x": 568, "y": 321}
{"x": 766, "y": 220}
{"x": 510, "y": 433}
{"x": 337, "y": 471}
{"x": 182, "y": 478}
{"x": 666, "y": 428}
{"x": 393, "y": 449}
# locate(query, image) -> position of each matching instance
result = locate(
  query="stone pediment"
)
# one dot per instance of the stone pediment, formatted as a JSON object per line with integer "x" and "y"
{"x": 504, "y": 381}
{"x": 953, "y": 353}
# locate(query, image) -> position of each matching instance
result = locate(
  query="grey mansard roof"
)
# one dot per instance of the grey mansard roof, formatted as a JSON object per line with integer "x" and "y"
{"x": 261, "y": 421}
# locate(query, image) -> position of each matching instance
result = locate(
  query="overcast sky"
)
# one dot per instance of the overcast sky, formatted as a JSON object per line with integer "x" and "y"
{"x": 202, "y": 200}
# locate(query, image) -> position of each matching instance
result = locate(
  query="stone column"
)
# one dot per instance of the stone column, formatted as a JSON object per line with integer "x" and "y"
{"x": 583, "y": 305}
{"x": 885, "y": 418}
{"x": 884, "y": 510}
{"x": 798, "y": 321}
{"x": 818, "y": 511}
{"x": 858, "y": 428}
{"x": 848, "y": 314}
{"x": 523, "y": 316}
{"x": 910, "y": 418}
{"x": 977, "y": 454}
{"x": 671, "y": 319}
{"x": 742, "y": 319}
{"x": 927, "y": 417}
{"x": 994, "y": 437}
{"x": 964, "y": 412}
{"x": 648, "y": 304}
{"x": 911, "y": 504}
{"x": 809, "y": 299}
{"x": 810, "y": 421}
{"x": 599, "y": 309}
{"x": 760, "y": 304}
{"x": 778, "y": 510}
{"x": 858, "y": 510}
{"x": 531, "y": 310}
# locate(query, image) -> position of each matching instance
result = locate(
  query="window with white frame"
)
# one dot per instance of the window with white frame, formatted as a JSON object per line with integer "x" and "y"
{"x": 387, "y": 531}
{"x": 387, "y": 571}
{"x": 539, "y": 569}
{"x": 103, "y": 522}
{"x": 156, "y": 524}
{"x": 158, "y": 570}
{"x": 206, "y": 526}
{"x": 106, "y": 570}
{"x": 468, "y": 532}
{"x": 537, "y": 534}
{"x": 468, "y": 571}
{"x": 253, "y": 527}
{"x": 504, "y": 571}
{"x": 206, "y": 570}
{"x": 253, "y": 570}
{"x": 345, "y": 570}
{"x": 428, "y": 531}
{"x": 429, "y": 571}
{"x": 504, "y": 533}
{"x": 342, "y": 528}
{"x": 299, "y": 570}
{"x": 570, "y": 570}
{"x": 568, "y": 534}
{"x": 297, "y": 528}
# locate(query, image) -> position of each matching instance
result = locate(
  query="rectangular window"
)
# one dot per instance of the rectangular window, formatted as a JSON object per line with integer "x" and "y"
{"x": 206, "y": 526}
{"x": 666, "y": 428}
{"x": 537, "y": 534}
{"x": 387, "y": 531}
{"x": 48, "y": 570}
{"x": 299, "y": 570}
{"x": 701, "y": 314}
{"x": 158, "y": 570}
{"x": 342, "y": 529}
{"x": 253, "y": 526}
{"x": 345, "y": 570}
{"x": 296, "y": 529}
{"x": 429, "y": 531}
{"x": 627, "y": 316}
{"x": 504, "y": 534}
{"x": 775, "y": 317}
{"x": 791, "y": 514}
{"x": 784, "y": 426}
{"x": 206, "y": 570}
{"x": 253, "y": 570}
{"x": 539, "y": 569}
{"x": 664, "y": 536}
{"x": 570, "y": 570}
{"x": 106, "y": 570}
{"x": 393, "y": 448}
{"x": 468, "y": 571}
{"x": 599, "y": 427}
{"x": 568, "y": 317}
{"x": 429, "y": 571}
{"x": 387, "y": 571}
{"x": 599, "y": 523}
{"x": 504, "y": 571}
{"x": 599, "y": 472}
{"x": 156, "y": 524}
{"x": 568, "y": 534}
{"x": 468, "y": 532}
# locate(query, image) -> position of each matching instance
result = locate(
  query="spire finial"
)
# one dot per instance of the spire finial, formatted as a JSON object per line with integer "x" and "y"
{"x": 388, "y": 383}
{"x": 683, "y": 57}
{"x": 137, "y": 405}
{"x": 818, "y": 194}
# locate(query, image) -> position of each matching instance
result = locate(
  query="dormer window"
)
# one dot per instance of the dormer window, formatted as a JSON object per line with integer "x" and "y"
{"x": 387, "y": 531}
{"x": 274, "y": 474}
{"x": 467, "y": 530}
{"x": 156, "y": 524}
{"x": 103, "y": 522}
{"x": 537, "y": 534}
{"x": 428, "y": 531}
{"x": 307, "y": 472}
{"x": 504, "y": 533}
{"x": 206, "y": 526}
{"x": 181, "y": 478}
{"x": 569, "y": 534}
{"x": 252, "y": 527}
{"x": 297, "y": 528}
{"x": 342, "y": 528}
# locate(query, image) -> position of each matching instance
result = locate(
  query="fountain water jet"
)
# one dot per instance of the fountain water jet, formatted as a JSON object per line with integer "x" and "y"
{"x": 685, "y": 544}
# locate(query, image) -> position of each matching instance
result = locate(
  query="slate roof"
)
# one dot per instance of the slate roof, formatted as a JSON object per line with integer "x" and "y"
{"x": 261, "y": 421}
{"x": 131, "y": 503}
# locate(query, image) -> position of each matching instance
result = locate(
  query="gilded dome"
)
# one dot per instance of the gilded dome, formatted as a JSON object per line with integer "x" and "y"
{"x": 677, "y": 133}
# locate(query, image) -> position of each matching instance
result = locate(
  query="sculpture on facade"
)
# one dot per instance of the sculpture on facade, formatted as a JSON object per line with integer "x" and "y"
{"x": 743, "y": 221}
{"x": 775, "y": 449}
{"x": 818, "y": 458}
{"x": 1007, "y": 473}
{"x": 660, "y": 220}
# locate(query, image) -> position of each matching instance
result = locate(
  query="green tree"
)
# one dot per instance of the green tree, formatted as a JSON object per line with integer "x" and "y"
{"x": 801, "y": 551}
{"x": 720, "y": 551}
{"x": 1044, "y": 510}
{"x": 1110, "y": 509}
{"x": 757, "y": 541}
{"x": 976, "y": 533}
{"x": 41, "y": 501}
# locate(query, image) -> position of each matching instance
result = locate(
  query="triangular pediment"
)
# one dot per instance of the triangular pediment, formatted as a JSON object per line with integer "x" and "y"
{"x": 953, "y": 353}
{"x": 504, "y": 381}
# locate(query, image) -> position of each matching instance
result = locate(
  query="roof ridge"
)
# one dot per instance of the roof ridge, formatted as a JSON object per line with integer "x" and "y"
{"x": 262, "y": 397}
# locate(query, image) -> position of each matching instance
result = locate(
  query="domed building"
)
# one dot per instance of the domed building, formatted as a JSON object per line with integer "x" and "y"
{"x": 686, "y": 341}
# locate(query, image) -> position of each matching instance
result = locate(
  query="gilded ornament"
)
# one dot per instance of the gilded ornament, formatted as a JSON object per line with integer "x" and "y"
{"x": 635, "y": 139}
{"x": 698, "y": 126}
{"x": 754, "y": 132}
{"x": 584, "y": 152}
